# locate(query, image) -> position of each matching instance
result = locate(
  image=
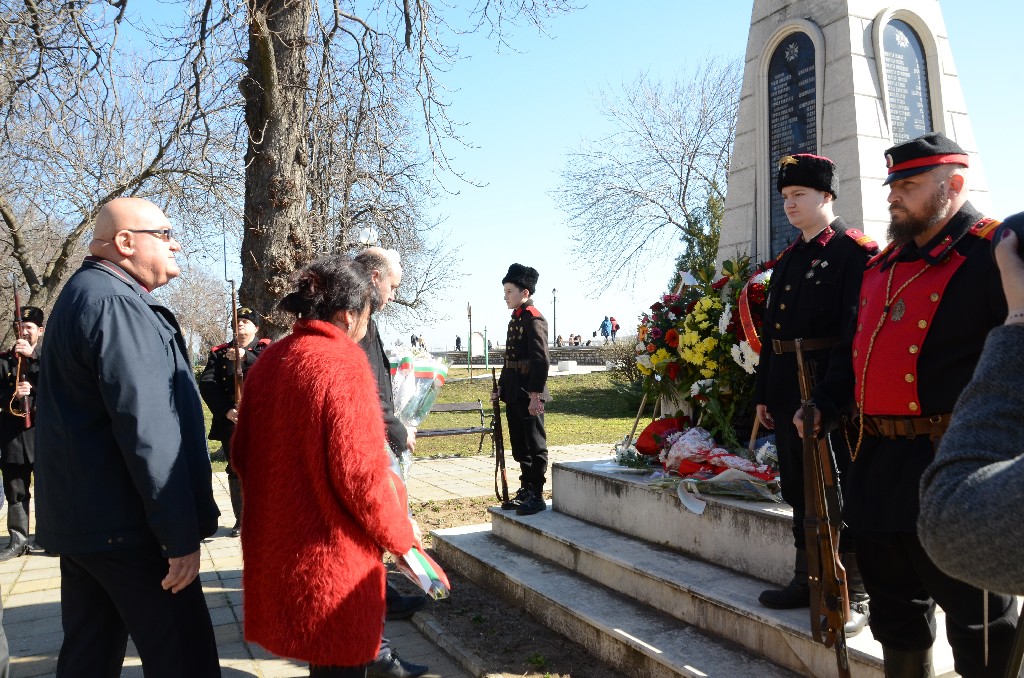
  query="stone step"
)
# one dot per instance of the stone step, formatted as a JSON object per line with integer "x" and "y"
{"x": 754, "y": 538}
{"x": 636, "y": 639}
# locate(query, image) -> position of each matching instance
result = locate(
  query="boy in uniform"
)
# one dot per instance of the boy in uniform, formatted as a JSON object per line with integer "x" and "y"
{"x": 523, "y": 388}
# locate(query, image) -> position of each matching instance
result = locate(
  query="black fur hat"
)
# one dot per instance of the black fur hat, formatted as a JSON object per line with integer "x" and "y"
{"x": 246, "y": 313}
{"x": 32, "y": 314}
{"x": 812, "y": 171}
{"x": 523, "y": 277}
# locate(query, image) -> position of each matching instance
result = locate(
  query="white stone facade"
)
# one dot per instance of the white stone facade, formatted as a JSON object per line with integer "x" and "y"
{"x": 852, "y": 111}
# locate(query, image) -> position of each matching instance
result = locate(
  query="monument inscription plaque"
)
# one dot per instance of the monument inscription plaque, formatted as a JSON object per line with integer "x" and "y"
{"x": 906, "y": 77}
{"x": 792, "y": 119}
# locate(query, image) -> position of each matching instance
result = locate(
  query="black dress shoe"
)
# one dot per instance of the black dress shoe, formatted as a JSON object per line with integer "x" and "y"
{"x": 393, "y": 666}
{"x": 403, "y": 607}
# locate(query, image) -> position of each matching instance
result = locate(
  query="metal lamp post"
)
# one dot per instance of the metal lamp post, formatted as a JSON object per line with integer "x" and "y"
{"x": 554, "y": 315}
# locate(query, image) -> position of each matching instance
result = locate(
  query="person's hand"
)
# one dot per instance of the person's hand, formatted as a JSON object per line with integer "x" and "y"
{"x": 765, "y": 417}
{"x": 181, "y": 571}
{"x": 411, "y": 438}
{"x": 494, "y": 396}
{"x": 232, "y": 415}
{"x": 23, "y": 389}
{"x": 798, "y": 421}
{"x": 1011, "y": 269}
{"x": 536, "y": 406}
{"x": 22, "y": 347}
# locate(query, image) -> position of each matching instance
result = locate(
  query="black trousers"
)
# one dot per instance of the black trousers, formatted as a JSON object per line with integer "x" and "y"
{"x": 105, "y": 597}
{"x": 17, "y": 484}
{"x": 790, "y": 448}
{"x": 905, "y": 585}
{"x": 225, "y": 445}
{"x": 529, "y": 442}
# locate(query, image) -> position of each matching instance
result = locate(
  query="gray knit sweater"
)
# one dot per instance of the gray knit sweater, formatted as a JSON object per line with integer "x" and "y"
{"x": 971, "y": 522}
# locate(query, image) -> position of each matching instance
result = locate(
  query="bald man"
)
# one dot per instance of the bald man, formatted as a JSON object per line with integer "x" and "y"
{"x": 123, "y": 485}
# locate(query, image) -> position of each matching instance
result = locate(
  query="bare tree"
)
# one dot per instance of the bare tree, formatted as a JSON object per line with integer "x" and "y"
{"x": 327, "y": 154}
{"x": 649, "y": 182}
{"x": 86, "y": 120}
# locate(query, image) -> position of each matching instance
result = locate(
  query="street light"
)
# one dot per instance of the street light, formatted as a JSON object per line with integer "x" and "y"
{"x": 554, "y": 315}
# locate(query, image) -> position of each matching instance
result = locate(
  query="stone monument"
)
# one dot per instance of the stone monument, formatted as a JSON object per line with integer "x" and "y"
{"x": 845, "y": 79}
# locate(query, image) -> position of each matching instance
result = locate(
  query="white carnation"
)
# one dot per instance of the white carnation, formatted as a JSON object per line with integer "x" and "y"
{"x": 723, "y": 322}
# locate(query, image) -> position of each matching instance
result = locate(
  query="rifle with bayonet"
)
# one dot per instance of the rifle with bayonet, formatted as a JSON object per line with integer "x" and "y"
{"x": 499, "y": 448}
{"x": 238, "y": 350}
{"x": 19, "y": 407}
{"x": 826, "y": 577}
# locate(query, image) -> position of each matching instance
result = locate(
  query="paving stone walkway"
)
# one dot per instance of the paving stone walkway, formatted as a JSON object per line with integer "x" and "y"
{"x": 30, "y": 587}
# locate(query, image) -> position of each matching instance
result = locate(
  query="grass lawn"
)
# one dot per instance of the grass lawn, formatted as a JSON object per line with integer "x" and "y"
{"x": 585, "y": 408}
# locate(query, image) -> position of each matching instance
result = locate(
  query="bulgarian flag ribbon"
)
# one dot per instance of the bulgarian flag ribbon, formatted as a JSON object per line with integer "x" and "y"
{"x": 423, "y": 571}
{"x": 747, "y": 320}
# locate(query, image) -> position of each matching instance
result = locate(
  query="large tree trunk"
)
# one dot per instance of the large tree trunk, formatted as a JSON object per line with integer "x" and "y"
{"x": 277, "y": 239}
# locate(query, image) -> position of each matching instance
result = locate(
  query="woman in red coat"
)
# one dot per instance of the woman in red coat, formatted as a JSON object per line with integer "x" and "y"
{"x": 321, "y": 504}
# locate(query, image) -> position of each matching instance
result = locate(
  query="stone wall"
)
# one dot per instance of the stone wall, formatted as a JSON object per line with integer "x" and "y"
{"x": 583, "y": 355}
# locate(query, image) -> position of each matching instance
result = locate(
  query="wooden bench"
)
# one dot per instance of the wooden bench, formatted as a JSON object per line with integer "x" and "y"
{"x": 484, "y": 429}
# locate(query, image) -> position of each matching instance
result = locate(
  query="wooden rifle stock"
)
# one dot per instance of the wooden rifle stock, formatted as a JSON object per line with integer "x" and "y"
{"x": 830, "y": 600}
{"x": 234, "y": 345}
{"x": 25, "y": 410}
{"x": 499, "y": 447}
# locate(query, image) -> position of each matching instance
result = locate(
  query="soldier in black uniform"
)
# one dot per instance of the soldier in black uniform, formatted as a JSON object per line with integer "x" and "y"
{"x": 217, "y": 386}
{"x": 813, "y": 296}
{"x": 17, "y": 441}
{"x": 523, "y": 388}
{"x": 927, "y": 303}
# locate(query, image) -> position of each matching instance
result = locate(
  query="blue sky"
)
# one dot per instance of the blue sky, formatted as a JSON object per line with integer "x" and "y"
{"x": 525, "y": 109}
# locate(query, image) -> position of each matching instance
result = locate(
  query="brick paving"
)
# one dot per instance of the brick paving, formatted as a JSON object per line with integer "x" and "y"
{"x": 30, "y": 587}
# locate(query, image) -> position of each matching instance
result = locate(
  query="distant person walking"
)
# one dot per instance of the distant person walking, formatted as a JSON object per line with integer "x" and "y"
{"x": 615, "y": 328}
{"x": 458, "y": 343}
{"x": 606, "y": 329}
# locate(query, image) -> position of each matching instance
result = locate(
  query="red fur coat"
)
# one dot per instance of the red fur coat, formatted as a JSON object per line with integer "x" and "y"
{"x": 320, "y": 504}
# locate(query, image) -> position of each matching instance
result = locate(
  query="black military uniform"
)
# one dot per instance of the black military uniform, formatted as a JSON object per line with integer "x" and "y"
{"x": 217, "y": 386}
{"x": 18, "y": 442}
{"x": 813, "y": 296}
{"x": 525, "y": 371}
{"x": 924, "y": 313}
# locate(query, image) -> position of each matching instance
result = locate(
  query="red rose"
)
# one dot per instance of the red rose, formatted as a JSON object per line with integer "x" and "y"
{"x": 672, "y": 371}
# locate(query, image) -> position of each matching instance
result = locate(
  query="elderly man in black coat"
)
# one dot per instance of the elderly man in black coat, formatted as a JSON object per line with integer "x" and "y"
{"x": 123, "y": 485}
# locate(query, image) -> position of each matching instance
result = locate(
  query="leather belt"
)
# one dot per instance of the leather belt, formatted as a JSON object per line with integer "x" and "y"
{"x": 780, "y": 347}
{"x": 907, "y": 427}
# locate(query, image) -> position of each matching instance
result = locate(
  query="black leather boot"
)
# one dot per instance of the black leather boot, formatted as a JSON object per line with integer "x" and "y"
{"x": 514, "y": 502}
{"x": 17, "y": 524}
{"x": 533, "y": 502}
{"x": 859, "y": 612}
{"x": 904, "y": 664}
{"x": 796, "y": 593}
{"x": 235, "y": 491}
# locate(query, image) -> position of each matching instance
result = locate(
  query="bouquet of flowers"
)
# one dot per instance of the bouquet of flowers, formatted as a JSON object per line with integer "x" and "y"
{"x": 694, "y": 344}
{"x": 416, "y": 379}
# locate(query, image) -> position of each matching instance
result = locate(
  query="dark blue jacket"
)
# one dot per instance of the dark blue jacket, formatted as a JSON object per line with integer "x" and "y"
{"x": 121, "y": 458}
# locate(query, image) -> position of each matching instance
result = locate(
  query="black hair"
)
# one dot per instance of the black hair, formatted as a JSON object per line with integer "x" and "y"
{"x": 330, "y": 284}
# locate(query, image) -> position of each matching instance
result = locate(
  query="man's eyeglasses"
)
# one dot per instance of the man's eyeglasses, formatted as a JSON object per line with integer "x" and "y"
{"x": 162, "y": 233}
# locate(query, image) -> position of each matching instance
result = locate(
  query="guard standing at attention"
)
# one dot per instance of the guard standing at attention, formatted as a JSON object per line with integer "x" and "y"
{"x": 523, "y": 388}
{"x": 927, "y": 302}
{"x": 813, "y": 296}
{"x": 217, "y": 386}
{"x": 17, "y": 438}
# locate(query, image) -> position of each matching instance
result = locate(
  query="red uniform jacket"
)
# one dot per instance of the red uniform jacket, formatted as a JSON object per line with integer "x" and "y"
{"x": 320, "y": 502}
